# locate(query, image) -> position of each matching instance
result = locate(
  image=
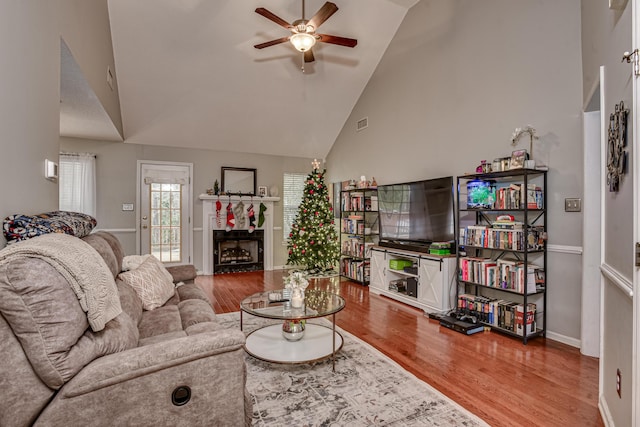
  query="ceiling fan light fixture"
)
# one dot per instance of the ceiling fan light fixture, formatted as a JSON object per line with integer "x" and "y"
{"x": 302, "y": 41}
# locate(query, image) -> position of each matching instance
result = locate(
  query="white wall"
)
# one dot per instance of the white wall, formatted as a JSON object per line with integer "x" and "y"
{"x": 455, "y": 82}
{"x": 606, "y": 35}
{"x": 29, "y": 118}
{"x": 85, "y": 28}
{"x": 116, "y": 182}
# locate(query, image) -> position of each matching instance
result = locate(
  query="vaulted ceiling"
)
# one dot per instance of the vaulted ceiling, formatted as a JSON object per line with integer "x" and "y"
{"x": 189, "y": 76}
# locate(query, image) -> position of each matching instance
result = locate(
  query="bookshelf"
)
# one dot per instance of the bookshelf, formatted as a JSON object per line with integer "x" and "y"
{"x": 358, "y": 232}
{"x": 501, "y": 257}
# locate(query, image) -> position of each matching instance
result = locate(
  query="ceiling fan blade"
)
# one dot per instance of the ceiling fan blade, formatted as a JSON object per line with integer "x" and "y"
{"x": 271, "y": 43}
{"x": 308, "y": 56}
{"x": 323, "y": 14}
{"x": 342, "y": 41}
{"x": 264, "y": 12}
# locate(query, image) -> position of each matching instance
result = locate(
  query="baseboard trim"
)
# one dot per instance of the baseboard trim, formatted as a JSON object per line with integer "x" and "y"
{"x": 617, "y": 278}
{"x": 604, "y": 412}
{"x": 282, "y": 267}
{"x": 563, "y": 249}
{"x": 573, "y": 342}
{"x": 117, "y": 230}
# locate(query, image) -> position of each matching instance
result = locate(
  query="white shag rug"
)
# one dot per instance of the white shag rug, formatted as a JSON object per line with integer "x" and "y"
{"x": 366, "y": 389}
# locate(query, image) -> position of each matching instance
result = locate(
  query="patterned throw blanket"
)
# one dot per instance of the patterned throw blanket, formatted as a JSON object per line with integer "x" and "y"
{"x": 81, "y": 265}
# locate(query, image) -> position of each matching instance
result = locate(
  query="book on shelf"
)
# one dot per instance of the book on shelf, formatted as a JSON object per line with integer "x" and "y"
{"x": 508, "y": 315}
{"x": 500, "y": 238}
{"x": 355, "y": 269}
{"x": 527, "y": 327}
{"x": 352, "y": 202}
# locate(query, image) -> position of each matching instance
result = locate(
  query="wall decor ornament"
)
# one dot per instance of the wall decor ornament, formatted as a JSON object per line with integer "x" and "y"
{"x": 616, "y": 151}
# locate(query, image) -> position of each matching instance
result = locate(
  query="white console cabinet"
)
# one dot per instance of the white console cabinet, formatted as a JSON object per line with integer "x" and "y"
{"x": 435, "y": 288}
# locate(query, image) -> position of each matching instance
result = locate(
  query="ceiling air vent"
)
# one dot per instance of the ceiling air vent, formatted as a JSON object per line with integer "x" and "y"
{"x": 362, "y": 124}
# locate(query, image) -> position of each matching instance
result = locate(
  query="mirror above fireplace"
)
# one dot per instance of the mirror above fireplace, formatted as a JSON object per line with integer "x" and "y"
{"x": 238, "y": 181}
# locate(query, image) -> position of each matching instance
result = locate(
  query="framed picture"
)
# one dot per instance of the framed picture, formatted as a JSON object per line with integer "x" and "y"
{"x": 238, "y": 180}
{"x": 517, "y": 159}
{"x": 262, "y": 191}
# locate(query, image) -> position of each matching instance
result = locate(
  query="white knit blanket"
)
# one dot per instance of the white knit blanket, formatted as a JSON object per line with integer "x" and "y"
{"x": 82, "y": 267}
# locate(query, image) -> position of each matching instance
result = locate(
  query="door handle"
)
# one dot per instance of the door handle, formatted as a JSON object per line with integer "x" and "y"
{"x": 144, "y": 218}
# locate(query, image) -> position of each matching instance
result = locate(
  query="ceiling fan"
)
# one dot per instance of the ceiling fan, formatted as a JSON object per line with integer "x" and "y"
{"x": 303, "y": 32}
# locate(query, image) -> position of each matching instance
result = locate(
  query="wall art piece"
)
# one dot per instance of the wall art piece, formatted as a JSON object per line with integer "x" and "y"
{"x": 241, "y": 181}
{"x": 616, "y": 151}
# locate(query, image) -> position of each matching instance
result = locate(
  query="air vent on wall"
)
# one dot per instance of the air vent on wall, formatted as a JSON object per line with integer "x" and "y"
{"x": 362, "y": 124}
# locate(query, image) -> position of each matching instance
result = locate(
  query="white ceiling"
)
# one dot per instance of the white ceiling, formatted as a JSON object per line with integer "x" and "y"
{"x": 188, "y": 74}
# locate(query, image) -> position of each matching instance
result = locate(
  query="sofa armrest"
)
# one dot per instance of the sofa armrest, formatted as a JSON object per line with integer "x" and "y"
{"x": 140, "y": 361}
{"x": 198, "y": 379}
{"x": 183, "y": 273}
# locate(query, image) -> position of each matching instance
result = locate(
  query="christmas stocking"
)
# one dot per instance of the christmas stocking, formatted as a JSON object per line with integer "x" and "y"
{"x": 218, "y": 220}
{"x": 261, "y": 214}
{"x": 239, "y": 214}
{"x": 252, "y": 218}
{"x": 231, "y": 221}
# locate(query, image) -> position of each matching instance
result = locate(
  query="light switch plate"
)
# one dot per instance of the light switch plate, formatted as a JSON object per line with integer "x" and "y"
{"x": 572, "y": 205}
{"x": 127, "y": 206}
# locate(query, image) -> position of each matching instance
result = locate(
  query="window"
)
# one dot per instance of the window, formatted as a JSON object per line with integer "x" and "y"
{"x": 292, "y": 193}
{"x": 77, "y": 183}
{"x": 166, "y": 231}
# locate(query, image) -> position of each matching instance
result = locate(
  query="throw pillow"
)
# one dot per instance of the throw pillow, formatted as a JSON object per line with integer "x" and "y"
{"x": 131, "y": 262}
{"x": 151, "y": 281}
{"x": 22, "y": 227}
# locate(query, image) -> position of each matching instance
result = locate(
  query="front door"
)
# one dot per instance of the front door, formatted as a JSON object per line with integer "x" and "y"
{"x": 164, "y": 223}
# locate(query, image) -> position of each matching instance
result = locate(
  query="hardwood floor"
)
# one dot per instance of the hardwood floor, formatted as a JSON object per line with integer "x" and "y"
{"x": 506, "y": 383}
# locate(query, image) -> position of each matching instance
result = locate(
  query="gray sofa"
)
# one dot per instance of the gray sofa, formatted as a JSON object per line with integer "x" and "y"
{"x": 173, "y": 365}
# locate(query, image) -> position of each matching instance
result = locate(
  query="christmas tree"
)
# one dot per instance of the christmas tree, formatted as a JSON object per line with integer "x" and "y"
{"x": 313, "y": 241}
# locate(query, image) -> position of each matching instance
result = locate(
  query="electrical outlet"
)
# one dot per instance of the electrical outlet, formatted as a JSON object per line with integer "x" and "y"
{"x": 619, "y": 383}
{"x": 572, "y": 205}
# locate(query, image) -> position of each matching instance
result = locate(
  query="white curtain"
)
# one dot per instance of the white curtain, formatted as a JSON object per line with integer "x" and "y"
{"x": 77, "y": 182}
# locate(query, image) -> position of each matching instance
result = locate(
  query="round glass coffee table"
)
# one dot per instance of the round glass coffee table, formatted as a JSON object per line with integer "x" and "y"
{"x": 318, "y": 342}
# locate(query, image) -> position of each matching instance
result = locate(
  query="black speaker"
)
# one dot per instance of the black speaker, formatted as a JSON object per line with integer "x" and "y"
{"x": 412, "y": 287}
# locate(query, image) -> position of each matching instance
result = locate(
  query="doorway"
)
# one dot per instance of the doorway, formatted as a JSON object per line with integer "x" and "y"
{"x": 164, "y": 217}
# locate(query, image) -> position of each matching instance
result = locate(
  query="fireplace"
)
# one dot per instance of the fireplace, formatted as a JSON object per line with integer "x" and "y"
{"x": 213, "y": 220}
{"x": 238, "y": 250}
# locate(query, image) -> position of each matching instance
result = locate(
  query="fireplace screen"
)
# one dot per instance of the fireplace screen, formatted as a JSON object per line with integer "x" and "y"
{"x": 237, "y": 251}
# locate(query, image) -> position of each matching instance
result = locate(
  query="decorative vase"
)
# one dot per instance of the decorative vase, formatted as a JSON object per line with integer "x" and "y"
{"x": 293, "y": 330}
{"x": 297, "y": 298}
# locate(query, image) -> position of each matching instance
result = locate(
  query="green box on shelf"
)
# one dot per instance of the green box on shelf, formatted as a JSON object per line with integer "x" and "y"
{"x": 399, "y": 264}
{"x": 440, "y": 251}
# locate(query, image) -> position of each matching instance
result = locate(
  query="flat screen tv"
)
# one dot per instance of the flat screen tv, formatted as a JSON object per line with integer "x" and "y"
{"x": 416, "y": 214}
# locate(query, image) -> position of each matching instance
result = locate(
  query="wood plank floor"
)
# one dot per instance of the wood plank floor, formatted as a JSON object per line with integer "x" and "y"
{"x": 506, "y": 383}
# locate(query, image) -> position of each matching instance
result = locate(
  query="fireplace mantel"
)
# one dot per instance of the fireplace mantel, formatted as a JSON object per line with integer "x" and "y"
{"x": 209, "y": 224}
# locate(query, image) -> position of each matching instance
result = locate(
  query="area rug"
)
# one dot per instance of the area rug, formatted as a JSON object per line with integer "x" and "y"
{"x": 366, "y": 389}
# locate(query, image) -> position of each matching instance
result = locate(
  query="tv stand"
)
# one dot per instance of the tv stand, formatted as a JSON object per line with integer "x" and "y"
{"x": 430, "y": 285}
{"x": 408, "y": 246}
